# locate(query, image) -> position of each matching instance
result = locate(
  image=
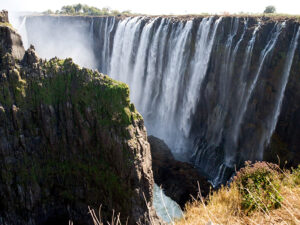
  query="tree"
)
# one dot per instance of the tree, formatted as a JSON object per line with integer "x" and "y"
{"x": 77, "y": 8}
{"x": 82, "y": 9}
{"x": 68, "y": 9}
{"x": 270, "y": 9}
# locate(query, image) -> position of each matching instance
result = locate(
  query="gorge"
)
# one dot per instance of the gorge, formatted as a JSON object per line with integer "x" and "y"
{"x": 70, "y": 140}
{"x": 218, "y": 90}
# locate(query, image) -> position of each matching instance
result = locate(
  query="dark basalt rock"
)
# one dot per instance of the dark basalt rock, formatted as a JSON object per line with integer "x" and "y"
{"x": 10, "y": 40}
{"x": 178, "y": 179}
{"x": 69, "y": 139}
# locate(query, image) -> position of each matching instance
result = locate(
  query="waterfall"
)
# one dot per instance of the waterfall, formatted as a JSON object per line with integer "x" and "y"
{"x": 157, "y": 75}
{"x": 286, "y": 72}
{"x": 199, "y": 67}
{"x": 52, "y": 37}
{"x": 91, "y": 31}
{"x": 166, "y": 78}
{"x": 199, "y": 83}
{"x": 264, "y": 54}
{"x": 22, "y": 30}
{"x": 242, "y": 101}
{"x": 109, "y": 24}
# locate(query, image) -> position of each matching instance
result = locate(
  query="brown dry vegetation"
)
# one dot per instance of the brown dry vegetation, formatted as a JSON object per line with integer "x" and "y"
{"x": 225, "y": 206}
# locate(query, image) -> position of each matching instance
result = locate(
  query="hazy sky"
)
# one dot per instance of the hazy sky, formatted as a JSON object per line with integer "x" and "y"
{"x": 160, "y": 6}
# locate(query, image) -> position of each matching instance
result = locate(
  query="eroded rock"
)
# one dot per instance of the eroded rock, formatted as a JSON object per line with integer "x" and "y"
{"x": 178, "y": 179}
{"x": 69, "y": 139}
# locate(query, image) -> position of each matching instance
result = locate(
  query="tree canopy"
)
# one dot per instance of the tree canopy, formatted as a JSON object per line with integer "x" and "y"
{"x": 81, "y": 9}
{"x": 270, "y": 9}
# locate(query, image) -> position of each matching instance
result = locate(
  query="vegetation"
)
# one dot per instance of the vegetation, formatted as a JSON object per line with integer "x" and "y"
{"x": 259, "y": 194}
{"x": 270, "y": 9}
{"x": 6, "y": 25}
{"x": 259, "y": 180}
{"x": 81, "y": 9}
{"x": 105, "y": 96}
{"x": 91, "y": 102}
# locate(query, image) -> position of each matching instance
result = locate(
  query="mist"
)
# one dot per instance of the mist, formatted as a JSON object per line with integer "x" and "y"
{"x": 54, "y": 39}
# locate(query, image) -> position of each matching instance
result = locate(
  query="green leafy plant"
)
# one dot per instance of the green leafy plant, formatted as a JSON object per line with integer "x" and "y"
{"x": 259, "y": 185}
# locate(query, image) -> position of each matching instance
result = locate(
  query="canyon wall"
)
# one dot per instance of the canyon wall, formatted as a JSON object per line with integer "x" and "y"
{"x": 217, "y": 90}
{"x": 69, "y": 138}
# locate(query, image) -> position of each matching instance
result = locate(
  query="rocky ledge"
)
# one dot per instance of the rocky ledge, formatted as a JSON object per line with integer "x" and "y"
{"x": 69, "y": 139}
{"x": 178, "y": 179}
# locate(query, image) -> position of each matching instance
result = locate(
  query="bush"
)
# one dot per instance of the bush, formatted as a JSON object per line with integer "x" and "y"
{"x": 224, "y": 206}
{"x": 270, "y": 9}
{"x": 259, "y": 185}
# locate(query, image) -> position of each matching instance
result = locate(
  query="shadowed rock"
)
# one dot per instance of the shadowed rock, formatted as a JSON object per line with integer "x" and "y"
{"x": 178, "y": 179}
{"x": 69, "y": 139}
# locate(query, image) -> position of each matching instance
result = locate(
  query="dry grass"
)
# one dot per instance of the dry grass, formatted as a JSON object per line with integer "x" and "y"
{"x": 115, "y": 220}
{"x": 224, "y": 206}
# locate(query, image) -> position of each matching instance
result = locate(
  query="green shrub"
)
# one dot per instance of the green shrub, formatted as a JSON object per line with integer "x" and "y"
{"x": 270, "y": 9}
{"x": 296, "y": 175}
{"x": 259, "y": 185}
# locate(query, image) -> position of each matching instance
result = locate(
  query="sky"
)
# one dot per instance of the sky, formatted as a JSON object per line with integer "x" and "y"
{"x": 156, "y": 7}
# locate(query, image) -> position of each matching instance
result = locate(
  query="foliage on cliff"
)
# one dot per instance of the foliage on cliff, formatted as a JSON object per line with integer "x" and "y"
{"x": 260, "y": 194}
{"x": 82, "y": 9}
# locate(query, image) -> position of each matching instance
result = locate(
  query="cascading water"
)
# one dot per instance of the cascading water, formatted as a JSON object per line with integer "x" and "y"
{"x": 22, "y": 29}
{"x": 156, "y": 78}
{"x": 264, "y": 54}
{"x": 199, "y": 83}
{"x": 287, "y": 68}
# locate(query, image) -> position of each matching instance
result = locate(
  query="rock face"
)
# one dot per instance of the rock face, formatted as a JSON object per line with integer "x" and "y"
{"x": 10, "y": 40}
{"x": 69, "y": 139}
{"x": 178, "y": 179}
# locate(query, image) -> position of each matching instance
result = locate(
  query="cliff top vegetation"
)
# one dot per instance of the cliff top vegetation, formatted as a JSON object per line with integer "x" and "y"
{"x": 85, "y": 10}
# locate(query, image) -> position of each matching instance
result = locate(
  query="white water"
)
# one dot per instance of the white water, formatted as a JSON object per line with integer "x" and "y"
{"x": 156, "y": 76}
{"x": 166, "y": 208}
{"x": 286, "y": 72}
{"x": 264, "y": 54}
{"x": 60, "y": 39}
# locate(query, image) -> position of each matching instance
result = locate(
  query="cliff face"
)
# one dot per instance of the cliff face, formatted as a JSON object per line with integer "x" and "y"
{"x": 69, "y": 139}
{"x": 10, "y": 41}
{"x": 217, "y": 90}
